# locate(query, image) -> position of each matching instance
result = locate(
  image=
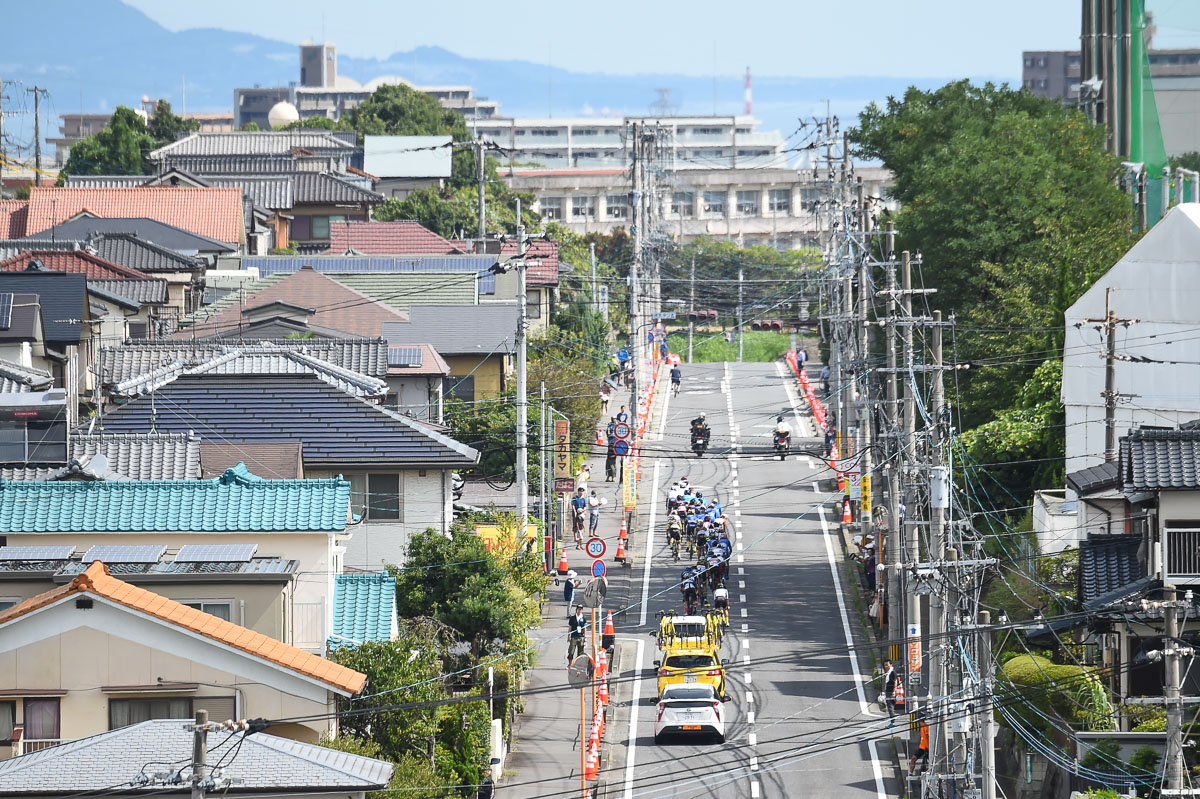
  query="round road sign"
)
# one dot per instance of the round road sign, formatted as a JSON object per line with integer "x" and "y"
{"x": 597, "y": 568}
{"x": 621, "y": 448}
{"x": 622, "y": 355}
{"x": 595, "y": 547}
{"x": 621, "y": 430}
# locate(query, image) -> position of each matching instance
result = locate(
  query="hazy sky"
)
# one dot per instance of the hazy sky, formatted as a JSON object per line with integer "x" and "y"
{"x": 911, "y": 38}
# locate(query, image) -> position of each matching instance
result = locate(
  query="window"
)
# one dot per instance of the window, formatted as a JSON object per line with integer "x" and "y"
{"x": 1028, "y": 62}
{"x": 780, "y": 200}
{"x": 809, "y": 198}
{"x": 551, "y": 207}
{"x": 714, "y": 203}
{"x": 33, "y": 442}
{"x": 1043, "y": 84}
{"x": 123, "y": 712}
{"x": 706, "y": 131}
{"x": 533, "y": 303}
{"x": 7, "y": 602}
{"x": 544, "y": 132}
{"x": 747, "y": 203}
{"x": 138, "y": 330}
{"x": 41, "y": 719}
{"x": 616, "y": 206}
{"x": 320, "y": 225}
{"x": 460, "y": 388}
{"x": 682, "y": 204}
{"x": 222, "y": 609}
{"x": 583, "y": 206}
{"x": 743, "y": 130}
{"x": 586, "y": 132}
{"x": 1041, "y": 62}
{"x": 376, "y": 496}
{"x": 8, "y": 720}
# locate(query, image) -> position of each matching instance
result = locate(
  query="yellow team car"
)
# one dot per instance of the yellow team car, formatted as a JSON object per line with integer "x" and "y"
{"x": 681, "y": 631}
{"x": 691, "y": 664}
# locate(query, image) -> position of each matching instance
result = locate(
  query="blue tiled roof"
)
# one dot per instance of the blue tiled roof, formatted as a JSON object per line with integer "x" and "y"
{"x": 337, "y": 430}
{"x": 235, "y": 501}
{"x": 364, "y": 606}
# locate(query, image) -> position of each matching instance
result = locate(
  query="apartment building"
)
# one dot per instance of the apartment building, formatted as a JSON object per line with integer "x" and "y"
{"x": 773, "y": 207}
{"x": 700, "y": 142}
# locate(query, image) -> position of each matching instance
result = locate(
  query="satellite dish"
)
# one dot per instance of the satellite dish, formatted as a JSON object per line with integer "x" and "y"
{"x": 98, "y": 465}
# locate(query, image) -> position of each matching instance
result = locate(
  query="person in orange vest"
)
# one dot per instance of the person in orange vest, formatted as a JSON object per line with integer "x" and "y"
{"x": 922, "y": 752}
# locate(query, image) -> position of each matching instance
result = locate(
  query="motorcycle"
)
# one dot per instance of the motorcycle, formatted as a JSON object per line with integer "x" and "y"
{"x": 781, "y": 440}
{"x": 699, "y": 440}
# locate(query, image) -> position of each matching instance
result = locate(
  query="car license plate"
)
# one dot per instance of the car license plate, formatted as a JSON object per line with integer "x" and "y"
{"x": 691, "y": 726}
{"x": 691, "y": 678}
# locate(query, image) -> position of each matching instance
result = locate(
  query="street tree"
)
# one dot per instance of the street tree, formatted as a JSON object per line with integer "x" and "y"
{"x": 119, "y": 149}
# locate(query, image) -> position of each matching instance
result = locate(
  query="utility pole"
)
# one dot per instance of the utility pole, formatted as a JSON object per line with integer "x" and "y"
{"x": 908, "y": 425}
{"x": 480, "y": 176}
{"x": 636, "y": 262}
{"x": 200, "y": 754}
{"x": 1109, "y": 325}
{"x": 866, "y": 418}
{"x": 1171, "y": 691}
{"x": 595, "y": 296}
{"x": 522, "y": 393}
{"x": 691, "y": 309}
{"x": 741, "y": 330}
{"x": 543, "y": 445}
{"x": 938, "y": 750}
{"x": 986, "y": 721}
{"x": 37, "y": 133}
{"x": 894, "y": 552}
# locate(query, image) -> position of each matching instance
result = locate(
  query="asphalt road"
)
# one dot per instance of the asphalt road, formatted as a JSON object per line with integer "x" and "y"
{"x": 801, "y": 715}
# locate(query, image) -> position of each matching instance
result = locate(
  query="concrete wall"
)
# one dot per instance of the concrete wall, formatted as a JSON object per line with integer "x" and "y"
{"x": 418, "y": 396}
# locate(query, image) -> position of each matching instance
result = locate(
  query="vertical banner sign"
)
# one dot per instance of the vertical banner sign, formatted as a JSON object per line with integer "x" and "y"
{"x": 563, "y": 479}
{"x": 865, "y": 505}
{"x": 628, "y": 486}
{"x": 914, "y": 649}
{"x": 855, "y": 479}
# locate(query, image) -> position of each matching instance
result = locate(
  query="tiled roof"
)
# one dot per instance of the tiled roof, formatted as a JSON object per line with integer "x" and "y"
{"x": 264, "y": 142}
{"x": 142, "y": 255}
{"x": 235, "y": 501}
{"x": 321, "y": 187}
{"x": 96, "y": 580}
{"x": 458, "y": 329}
{"x": 74, "y": 261}
{"x": 1094, "y": 478}
{"x": 165, "y": 235}
{"x": 274, "y": 192}
{"x": 401, "y": 289}
{"x": 261, "y": 763}
{"x": 364, "y": 608}
{"x": 544, "y": 274}
{"x": 363, "y": 355}
{"x": 1107, "y": 563}
{"x": 278, "y": 460}
{"x": 337, "y": 306}
{"x": 148, "y": 291}
{"x": 210, "y": 165}
{"x": 340, "y": 263}
{"x": 336, "y": 429}
{"x": 13, "y": 214}
{"x": 1160, "y": 459}
{"x": 212, "y": 212}
{"x": 142, "y": 456}
{"x": 255, "y": 360}
{"x": 432, "y": 363}
{"x": 63, "y": 297}
{"x": 106, "y": 181}
{"x": 15, "y": 378}
{"x": 388, "y": 238}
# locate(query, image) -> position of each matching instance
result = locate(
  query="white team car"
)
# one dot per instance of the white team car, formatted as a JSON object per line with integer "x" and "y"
{"x": 690, "y": 709}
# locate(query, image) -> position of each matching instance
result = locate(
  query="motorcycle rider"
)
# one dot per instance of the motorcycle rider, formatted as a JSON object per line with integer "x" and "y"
{"x": 782, "y": 430}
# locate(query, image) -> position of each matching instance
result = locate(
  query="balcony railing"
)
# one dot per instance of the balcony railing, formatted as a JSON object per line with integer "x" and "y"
{"x": 27, "y": 745}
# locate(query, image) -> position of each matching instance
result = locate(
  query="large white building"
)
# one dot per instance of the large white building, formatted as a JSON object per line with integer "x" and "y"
{"x": 700, "y": 142}
{"x": 1157, "y": 370}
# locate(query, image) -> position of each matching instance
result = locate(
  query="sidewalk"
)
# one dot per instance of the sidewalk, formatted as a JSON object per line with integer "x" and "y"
{"x": 545, "y": 759}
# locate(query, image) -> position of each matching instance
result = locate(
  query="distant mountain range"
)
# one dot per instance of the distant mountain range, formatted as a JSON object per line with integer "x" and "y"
{"x": 94, "y": 56}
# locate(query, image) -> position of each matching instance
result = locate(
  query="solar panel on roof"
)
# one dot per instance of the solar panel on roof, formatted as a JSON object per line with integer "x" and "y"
{"x": 6, "y": 303}
{"x": 216, "y": 553}
{"x": 404, "y": 356}
{"x": 37, "y": 553}
{"x": 110, "y": 553}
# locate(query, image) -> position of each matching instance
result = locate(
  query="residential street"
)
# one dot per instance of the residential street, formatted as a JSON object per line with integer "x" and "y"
{"x": 798, "y": 722}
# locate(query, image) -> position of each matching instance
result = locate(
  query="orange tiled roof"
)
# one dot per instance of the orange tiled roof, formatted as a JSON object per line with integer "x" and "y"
{"x": 77, "y": 261}
{"x": 212, "y": 212}
{"x": 96, "y": 580}
{"x": 12, "y": 218}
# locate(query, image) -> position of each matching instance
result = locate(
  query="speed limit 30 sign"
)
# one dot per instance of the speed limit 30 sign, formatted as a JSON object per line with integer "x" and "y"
{"x": 595, "y": 547}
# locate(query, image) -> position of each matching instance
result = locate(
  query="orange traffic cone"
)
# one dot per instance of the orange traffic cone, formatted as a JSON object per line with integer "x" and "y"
{"x": 846, "y": 512}
{"x": 624, "y": 534}
{"x": 898, "y": 697}
{"x": 591, "y": 767}
{"x": 609, "y": 632}
{"x": 563, "y": 568}
{"x": 601, "y": 665}
{"x": 603, "y": 693}
{"x": 599, "y": 438}
{"x": 620, "y": 550}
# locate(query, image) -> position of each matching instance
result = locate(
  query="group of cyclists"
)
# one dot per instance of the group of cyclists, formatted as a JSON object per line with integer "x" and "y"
{"x": 698, "y": 526}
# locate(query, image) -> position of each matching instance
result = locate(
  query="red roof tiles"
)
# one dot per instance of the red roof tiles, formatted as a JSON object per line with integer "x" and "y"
{"x": 388, "y": 238}
{"x": 12, "y": 218}
{"x": 212, "y": 212}
{"x": 76, "y": 261}
{"x": 97, "y": 581}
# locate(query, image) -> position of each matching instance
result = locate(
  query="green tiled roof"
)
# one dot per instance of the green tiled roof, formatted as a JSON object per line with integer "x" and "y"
{"x": 402, "y": 289}
{"x": 363, "y": 608}
{"x": 235, "y": 501}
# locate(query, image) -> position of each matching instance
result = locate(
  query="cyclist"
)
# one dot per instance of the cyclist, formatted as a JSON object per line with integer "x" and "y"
{"x": 676, "y": 377}
{"x": 688, "y": 588}
{"x": 674, "y": 534}
{"x": 702, "y": 538}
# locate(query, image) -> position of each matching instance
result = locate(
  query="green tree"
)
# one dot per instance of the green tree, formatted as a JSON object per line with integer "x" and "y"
{"x": 165, "y": 127}
{"x": 318, "y": 123}
{"x": 120, "y": 149}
